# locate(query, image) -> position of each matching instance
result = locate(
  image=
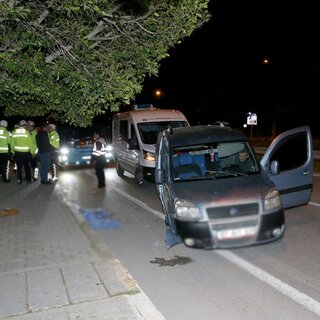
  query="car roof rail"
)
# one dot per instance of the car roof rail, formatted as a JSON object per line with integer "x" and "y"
{"x": 222, "y": 124}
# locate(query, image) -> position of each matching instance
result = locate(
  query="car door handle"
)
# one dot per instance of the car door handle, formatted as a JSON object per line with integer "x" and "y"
{"x": 306, "y": 173}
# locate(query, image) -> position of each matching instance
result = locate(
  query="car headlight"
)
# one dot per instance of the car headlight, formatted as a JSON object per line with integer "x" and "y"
{"x": 149, "y": 156}
{"x": 64, "y": 150}
{"x": 109, "y": 148}
{"x": 187, "y": 210}
{"x": 272, "y": 200}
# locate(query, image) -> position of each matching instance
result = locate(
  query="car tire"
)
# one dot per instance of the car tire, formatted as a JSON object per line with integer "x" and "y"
{"x": 119, "y": 169}
{"x": 139, "y": 176}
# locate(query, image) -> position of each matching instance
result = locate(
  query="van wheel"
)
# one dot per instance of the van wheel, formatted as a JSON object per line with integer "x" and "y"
{"x": 119, "y": 169}
{"x": 139, "y": 176}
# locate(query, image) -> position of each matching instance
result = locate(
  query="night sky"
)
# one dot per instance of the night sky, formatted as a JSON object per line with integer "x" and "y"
{"x": 218, "y": 72}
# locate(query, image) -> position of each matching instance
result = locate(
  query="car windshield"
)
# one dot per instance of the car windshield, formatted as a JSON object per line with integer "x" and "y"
{"x": 149, "y": 131}
{"x": 81, "y": 143}
{"x": 213, "y": 161}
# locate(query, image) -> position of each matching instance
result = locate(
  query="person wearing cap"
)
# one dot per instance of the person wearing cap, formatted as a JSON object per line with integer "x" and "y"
{"x": 34, "y": 160}
{"x": 55, "y": 143}
{"x": 5, "y": 144}
{"x": 23, "y": 149}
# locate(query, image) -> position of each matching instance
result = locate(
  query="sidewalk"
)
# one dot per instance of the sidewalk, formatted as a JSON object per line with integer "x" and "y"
{"x": 49, "y": 269}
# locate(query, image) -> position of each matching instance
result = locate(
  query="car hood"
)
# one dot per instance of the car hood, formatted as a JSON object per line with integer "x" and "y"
{"x": 223, "y": 191}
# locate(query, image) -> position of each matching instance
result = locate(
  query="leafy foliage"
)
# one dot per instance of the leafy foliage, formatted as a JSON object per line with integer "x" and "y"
{"x": 74, "y": 59}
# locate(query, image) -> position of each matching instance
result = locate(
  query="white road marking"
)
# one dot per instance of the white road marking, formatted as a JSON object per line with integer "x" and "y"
{"x": 282, "y": 287}
{"x": 314, "y": 204}
{"x": 292, "y": 293}
{"x": 141, "y": 204}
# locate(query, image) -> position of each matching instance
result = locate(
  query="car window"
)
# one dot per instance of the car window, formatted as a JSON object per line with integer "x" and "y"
{"x": 81, "y": 143}
{"x": 218, "y": 160}
{"x": 291, "y": 153}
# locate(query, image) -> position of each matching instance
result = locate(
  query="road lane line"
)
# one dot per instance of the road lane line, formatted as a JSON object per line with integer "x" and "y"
{"x": 282, "y": 287}
{"x": 141, "y": 204}
{"x": 314, "y": 204}
{"x": 292, "y": 293}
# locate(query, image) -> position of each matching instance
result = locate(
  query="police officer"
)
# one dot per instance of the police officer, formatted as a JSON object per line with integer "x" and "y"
{"x": 23, "y": 149}
{"x": 5, "y": 142}
{"x": 34, "y": 160}
{"x": 98, "y": 157}
{"x": 55, "y": 143}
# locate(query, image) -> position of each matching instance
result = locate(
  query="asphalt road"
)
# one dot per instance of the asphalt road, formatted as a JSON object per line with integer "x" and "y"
{"x": 274, "y": 281}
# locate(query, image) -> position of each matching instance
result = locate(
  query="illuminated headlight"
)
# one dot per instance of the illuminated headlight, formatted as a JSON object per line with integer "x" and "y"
{"x": 64, "y": 158}
{"x": 187, "y": 210}
{"x": 109, "y": 155}
{"x": 109, "y": 148}
{"x": 64, "y": 150}
{"x": 149, "y": 156}
{"x": 272, "y": 200}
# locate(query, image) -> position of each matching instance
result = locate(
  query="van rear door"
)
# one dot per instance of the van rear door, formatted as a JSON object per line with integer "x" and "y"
{"x": 293, "y": 150}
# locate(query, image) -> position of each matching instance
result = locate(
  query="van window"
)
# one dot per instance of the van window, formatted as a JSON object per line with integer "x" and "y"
{"x": 149, "y": 131}
{"x": 124, "y": 129}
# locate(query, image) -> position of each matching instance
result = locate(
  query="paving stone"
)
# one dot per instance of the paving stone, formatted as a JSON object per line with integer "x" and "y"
{"x": 83, "y": 283}
{"x": 51, "y": 292}
{"x": 12, "y": 294}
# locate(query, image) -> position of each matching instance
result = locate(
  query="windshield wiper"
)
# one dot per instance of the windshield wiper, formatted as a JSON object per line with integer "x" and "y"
{"x": 226, "y": 173}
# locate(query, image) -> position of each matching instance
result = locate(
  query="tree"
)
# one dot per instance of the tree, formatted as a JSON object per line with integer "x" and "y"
{"x": 74, "y": 59}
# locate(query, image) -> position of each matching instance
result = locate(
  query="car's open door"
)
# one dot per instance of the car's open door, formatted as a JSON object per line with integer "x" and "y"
{"x": 289, "y": 163}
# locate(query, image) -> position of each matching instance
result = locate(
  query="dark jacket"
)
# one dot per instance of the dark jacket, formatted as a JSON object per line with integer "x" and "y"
{"x": 43, "y": 142}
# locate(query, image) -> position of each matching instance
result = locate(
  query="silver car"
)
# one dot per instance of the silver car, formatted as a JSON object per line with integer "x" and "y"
{"x": 216, "y": 194}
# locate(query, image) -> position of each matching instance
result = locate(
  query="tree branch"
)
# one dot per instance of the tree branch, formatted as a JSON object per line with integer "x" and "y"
{"x": 42, "y": 17}
{"x": 96, "y": 30}
{"x": 58, "y": 53}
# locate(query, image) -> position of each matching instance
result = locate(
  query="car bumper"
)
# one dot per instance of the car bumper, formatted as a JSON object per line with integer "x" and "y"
{"x": 269, "y": 227}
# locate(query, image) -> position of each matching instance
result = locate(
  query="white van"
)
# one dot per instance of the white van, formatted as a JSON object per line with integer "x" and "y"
{"x": 134, "y": 136}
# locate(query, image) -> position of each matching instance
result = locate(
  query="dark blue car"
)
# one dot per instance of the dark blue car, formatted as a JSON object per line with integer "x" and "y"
{"x": 77, "y": 152}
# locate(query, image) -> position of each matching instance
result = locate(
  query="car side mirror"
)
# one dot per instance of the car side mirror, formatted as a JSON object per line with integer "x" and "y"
{"x": 275, "y": 168}
{"x": 159, "y": 176}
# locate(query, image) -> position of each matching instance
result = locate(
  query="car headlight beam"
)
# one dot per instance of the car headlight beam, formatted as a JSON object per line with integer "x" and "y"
{"x": 272, "y": 200}
{"x": 151, "y": 156}
{"x": 64, "y": 150}
{"x": 187, "y": 210}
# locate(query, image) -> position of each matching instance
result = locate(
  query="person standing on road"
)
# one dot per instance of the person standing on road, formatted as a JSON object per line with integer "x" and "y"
{"x": 34, "y": 160}
{"x": 23, "y": 149}
{"x": 44, "y": 153}
{"x": 55, "y": 143}
{"x": 5, "y": 142}
{"x": 98, "y": 158}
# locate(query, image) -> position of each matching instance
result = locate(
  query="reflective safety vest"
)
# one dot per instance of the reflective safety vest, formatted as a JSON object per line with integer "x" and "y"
{"x": 99, "y": 148}
{"x": 5, "y": 140}
{"x": 22, "y": 141}
{"x": 33, "y": 136}
{"x": 54, "y": 139}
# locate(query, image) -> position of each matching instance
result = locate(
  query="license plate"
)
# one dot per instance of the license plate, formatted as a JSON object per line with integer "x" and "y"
{"x": 236, "y": 233}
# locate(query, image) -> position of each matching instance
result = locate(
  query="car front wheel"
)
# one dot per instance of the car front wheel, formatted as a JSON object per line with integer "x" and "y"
{"x": 119, "y": 169}
{"x": 139, "y": 176}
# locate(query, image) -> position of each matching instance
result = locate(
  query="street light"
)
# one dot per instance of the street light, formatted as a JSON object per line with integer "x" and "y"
{"x": 158, "y": 93}
{"x": 266, "y": 61}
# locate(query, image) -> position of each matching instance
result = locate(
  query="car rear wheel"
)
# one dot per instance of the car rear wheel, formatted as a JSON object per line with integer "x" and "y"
{"x": 139, "y": 176}
{"x": 119, "y": 169}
